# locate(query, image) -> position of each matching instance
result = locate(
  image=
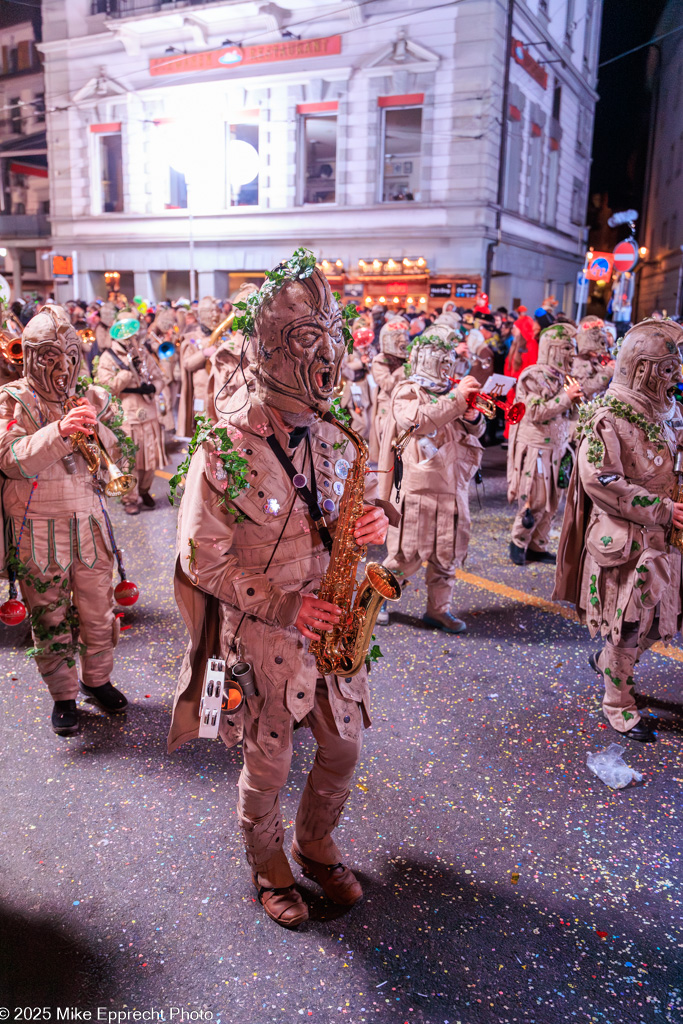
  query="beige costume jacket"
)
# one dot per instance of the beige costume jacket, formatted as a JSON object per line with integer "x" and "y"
{"x": 247, "y": 578}
{"x": 593, "y": 377}
{"x": 539, "y": 441}
{"x": 614, "y": 561}
{"x": 64, "y": 515}
{"x": 194, "y": 380}
{"x": 439, "y": 462}
{"x": 140, "y": 412}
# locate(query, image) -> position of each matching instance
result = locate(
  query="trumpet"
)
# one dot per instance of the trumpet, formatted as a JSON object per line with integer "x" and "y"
{"x": 487, "y": 405}
{"x": 569, "y": 381}
{"x": 217, "y": 336}
{"x": 11, "y": 348}
{"x": 97, "y": 457}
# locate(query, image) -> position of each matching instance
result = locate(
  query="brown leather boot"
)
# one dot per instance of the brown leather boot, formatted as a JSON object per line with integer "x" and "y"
{"x": 284, "y": 906}
{"x": 336, "y": 880}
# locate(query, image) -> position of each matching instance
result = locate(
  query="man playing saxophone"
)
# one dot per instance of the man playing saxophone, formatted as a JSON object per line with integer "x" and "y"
{"x": 250, "y": 560}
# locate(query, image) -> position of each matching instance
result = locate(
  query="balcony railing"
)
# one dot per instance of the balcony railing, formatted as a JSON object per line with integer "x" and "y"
{"x": 130, "y": 8}
{"x": 24, "y": 225}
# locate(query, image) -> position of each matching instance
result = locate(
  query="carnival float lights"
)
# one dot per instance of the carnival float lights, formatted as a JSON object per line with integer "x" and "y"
{"x": 389, "y": 265}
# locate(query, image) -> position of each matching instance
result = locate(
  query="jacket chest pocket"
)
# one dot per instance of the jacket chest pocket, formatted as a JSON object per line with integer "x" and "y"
{"x": 609, "y": 539}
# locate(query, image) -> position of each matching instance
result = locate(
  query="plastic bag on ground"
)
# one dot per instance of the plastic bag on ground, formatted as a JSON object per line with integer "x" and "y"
{"x": 610, "y": 767}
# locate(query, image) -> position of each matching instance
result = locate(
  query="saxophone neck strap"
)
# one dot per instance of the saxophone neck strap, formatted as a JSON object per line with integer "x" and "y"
{"x": 309, "y": 495}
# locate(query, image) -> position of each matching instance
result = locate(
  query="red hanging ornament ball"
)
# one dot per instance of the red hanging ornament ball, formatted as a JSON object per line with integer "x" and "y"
{"x": 12, "y": 612}
{"x": 126, "y": 592}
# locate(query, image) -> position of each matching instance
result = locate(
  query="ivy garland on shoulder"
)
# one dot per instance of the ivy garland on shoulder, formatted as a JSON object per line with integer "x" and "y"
{"x": 234, "y": 464}
{"x": 126, "y": 444}
{"x": 596, "y": 448}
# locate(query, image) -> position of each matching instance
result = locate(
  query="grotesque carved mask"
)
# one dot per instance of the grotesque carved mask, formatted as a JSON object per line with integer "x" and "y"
{"x": 649, "y": 363}
{"x": 52, "y": 354}
{"x": 556, "y": 347}
{"x": 432, "y": 361}
{"x": 300, "y": 345}
{"x": 592, "y": 337}
{"x": 208, "y": 313}
{"x": 394, "y": 338}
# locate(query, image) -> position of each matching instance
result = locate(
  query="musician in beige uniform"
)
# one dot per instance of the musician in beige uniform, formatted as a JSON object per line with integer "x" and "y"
{"x": 615, "y": 561}
{"x": 55, "y": 523}
{"x": 539, "y": 443}
{"x": 196, "y": 350}
{"x": 592, "y": 366}
{"x": 231, "y": 360}
{"x": 388, "y": 370}
{"x": 253, "y": 583}
{"x": 136, "y": 381}
{"x": 439, "y": 462}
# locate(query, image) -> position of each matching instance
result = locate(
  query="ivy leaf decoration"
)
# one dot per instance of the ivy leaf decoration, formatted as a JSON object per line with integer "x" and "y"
{"x": 349, "y": 314}
{"x": 298, "y": 267}
{"x": 235, "y": 465}
{"x": 373, "y": 655}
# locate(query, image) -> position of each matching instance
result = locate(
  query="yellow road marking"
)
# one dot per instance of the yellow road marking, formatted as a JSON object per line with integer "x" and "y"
{"x": 164, "y": 476}
{"x": 503, "y": 590}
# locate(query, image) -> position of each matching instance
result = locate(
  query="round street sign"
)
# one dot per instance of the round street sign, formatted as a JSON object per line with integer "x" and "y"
{"x": 625, "y": 255}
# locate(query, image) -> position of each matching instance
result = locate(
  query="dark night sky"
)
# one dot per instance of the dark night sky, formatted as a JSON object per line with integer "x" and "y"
{"x": 623, "y": 112}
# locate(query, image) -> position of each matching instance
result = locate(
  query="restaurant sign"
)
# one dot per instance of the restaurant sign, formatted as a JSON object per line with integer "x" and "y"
{"x": 241, "y": 56}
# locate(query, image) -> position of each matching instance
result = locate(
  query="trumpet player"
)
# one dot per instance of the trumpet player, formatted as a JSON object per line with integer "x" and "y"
{"x": 538, "y": 453}
{"x": 387, "y": 372}
{"x": 59, "y": 546}
{"x": 137, "y": 382}
{"x": 620, "y": 549}
{"x": 439, "y": 463}
{"x": 248, "y": 584}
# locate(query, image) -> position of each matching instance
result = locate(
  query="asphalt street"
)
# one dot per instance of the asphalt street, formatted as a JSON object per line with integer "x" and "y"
{"x": 503, "y": 881}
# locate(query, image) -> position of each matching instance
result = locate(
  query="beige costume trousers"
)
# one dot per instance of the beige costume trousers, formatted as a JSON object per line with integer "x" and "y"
{"x": 93, "y": 598}
{"x": 144, "y": 478}
{"x": 536, "y": 535}
{"x": 617, "y": 662}
{"x": 324, "y": 796}
{"x": 440, "y": 578}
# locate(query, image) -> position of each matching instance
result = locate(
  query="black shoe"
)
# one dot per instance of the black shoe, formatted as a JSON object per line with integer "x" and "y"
{"x": 518, "y": 555}
{"x": 446, "y": 622}
{"x": 643, "y": 731}
{"x": 528, "y": 519}
{"x": 107, "y": 697}
{"x": 65, "y": 717}
{"x": 540, "y": 556}
{"x": 147, "y": 499}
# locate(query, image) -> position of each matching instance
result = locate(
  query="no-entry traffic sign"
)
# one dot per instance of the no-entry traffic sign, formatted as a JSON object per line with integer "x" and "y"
{"x": 625, "y": 255}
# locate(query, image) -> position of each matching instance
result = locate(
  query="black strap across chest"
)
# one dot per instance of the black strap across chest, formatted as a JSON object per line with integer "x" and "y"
{"x": 309, "y": 495}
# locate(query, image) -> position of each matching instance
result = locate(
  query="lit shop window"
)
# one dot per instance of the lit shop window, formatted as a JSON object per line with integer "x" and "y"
{"x": 402, "y": 143}
{"x": 242, "y": 164}
{"x": 111, "y": 173}
{"x": 319, "y": 143}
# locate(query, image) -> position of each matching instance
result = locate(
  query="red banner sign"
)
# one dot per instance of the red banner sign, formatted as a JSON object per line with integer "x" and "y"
{"x": 239, "y": 56}
{"x": 532, "y": 67}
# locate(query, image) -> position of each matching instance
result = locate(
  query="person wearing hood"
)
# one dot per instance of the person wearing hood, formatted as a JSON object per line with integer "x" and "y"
{"x": 617, "y": 563}
{"x": 195, "y": 352}
{"x": 540, "y": 442}
{"x": 60, "y": 545}
{"x": 252, "y": 550}
{"x": 128, "y": 370}
{"x": 358, "y": 395}
{"x": 439, "y": 462}
{"x": 593, "y": 365}
{"x": 230, "y": 363}
{"x": 388, "y": 370}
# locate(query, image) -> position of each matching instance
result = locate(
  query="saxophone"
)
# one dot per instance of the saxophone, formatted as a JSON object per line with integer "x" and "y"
{"x": 343, "y": 649}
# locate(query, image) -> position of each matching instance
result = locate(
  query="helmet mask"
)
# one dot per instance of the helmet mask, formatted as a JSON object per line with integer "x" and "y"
{"x": 649, "y": 364}
{"x": 394, "y": 338}
{"x": 208, "y": 313}
{"x": 557, "y": 348}
{"x": 592, "y": 338}
{"x": 52, "y": 354}
{"x": 300, "y": 345}
{"x": 432, "y": 363}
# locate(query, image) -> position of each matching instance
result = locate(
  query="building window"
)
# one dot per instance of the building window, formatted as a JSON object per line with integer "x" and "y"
{"x": 569, "y": 25}
{"x": 242, "y": 164}
{"x": 39, "y": 107}
{"x": 319, "y": 147}
{"x": 111, "y": 173}
{"x": 513, "y": 158}
{"x": 402, "y": 145}
{"x": 578, "y": 207}
{"x": 15, "y": 120}
{"x": 557, "y": 101}
{"x": 535, "y": 170}
{"x": 553, "y": 181}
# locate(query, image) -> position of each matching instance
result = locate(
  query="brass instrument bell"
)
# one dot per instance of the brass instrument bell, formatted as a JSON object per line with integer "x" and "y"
{"x": 11, "y": 348}
{"x": 87, "y": 337}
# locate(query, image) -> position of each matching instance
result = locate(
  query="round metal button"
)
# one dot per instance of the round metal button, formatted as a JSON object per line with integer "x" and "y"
{"x": 299, "y": 480}
{"x": 274, "y": 735}
{"x": 250, "y": 591}
{"x": 328, "y": 505}
{"x": 300, "y": 695}
{"x": 347, "y": 718}
{"x": 278, "y": 660}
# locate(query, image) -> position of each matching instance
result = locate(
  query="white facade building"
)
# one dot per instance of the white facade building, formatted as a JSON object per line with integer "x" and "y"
{"x": 223, "y": 135}
{"x": 24, "y": 189}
